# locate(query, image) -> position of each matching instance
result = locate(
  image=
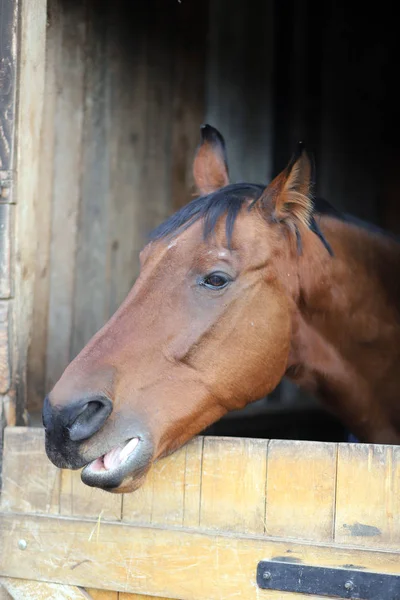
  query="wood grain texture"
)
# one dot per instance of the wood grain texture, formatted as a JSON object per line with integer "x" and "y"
{"x": 126, "y": 53}
{"x": 70, "y": 29}
{"x": 36, "y": 366}
{"x": 301, "y": 480}
{"x": 233, "y": 485}
{"x": 4, "y": 347}
{"x": 77, "y": 499}
{"x": 22, "y": 589}
{"x": 189, "y": 96}
{"x": 368, "y": 496}
{"x": 123, "y": 596}
{"x": 239, "y": 98}
{"x": 128, "y": 558}
{"x": 6, "y": 232}
{"x": 171, "y": 492}
{"x": 32, "y": 42}
{"x": 89, "y": 298}
{"x": 8, "y": 71}
{"x": 192, "y": 516}
{"x": 31, "y": 483}
{"x": 102, "y": 594}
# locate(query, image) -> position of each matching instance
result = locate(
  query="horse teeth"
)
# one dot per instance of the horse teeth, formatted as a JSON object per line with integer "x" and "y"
{"x": 128, "y": 449}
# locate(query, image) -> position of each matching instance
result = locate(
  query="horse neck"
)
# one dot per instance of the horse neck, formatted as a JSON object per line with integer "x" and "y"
{"x": 345, "y": 314}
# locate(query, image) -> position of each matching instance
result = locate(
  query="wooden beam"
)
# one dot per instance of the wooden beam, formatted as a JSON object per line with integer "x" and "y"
{"x": 8, "y": 70}
{"x": 176, "y": 563}
{"x": 30, "y": 106}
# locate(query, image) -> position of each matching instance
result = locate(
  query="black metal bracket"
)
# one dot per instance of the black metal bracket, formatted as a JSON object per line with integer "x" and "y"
{"x": 324, "y": 581}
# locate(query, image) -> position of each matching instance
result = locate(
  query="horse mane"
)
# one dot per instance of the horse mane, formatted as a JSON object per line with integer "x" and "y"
{"x": 226, "y": 201}
{"x": 229, "y": 200}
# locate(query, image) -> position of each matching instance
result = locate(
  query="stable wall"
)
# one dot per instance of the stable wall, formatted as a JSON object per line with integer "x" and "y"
{"x": 104, "y": 102}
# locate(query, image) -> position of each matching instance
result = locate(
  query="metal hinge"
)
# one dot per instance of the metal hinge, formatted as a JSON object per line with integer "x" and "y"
{"x": 324, "y": 581}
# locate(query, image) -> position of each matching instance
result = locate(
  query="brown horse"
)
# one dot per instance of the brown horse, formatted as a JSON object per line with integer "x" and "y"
{"x": 242, "y": 286}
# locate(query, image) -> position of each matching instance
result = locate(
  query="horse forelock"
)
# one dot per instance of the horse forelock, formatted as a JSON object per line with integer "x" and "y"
{"x": 227, "y": 202}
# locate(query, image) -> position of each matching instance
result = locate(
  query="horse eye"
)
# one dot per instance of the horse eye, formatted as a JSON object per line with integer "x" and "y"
{"x": 216, "y": 281}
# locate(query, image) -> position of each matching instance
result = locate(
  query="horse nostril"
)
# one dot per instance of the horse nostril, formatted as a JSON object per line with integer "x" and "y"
{"x": 85, "y": 418}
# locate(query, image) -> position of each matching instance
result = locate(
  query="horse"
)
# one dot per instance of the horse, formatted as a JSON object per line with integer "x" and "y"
{"x": 244, "y": 285}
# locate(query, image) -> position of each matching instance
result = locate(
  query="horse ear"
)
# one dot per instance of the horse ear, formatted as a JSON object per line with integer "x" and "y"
{"x": 289, "y": 194}
{"x": 210, "y": 168}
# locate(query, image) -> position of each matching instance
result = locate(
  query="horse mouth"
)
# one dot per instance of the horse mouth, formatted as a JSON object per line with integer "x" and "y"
{"x": 109, "y": 470}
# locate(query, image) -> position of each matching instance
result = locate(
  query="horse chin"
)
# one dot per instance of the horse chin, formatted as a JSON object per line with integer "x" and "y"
{"x": 122, "y": 469}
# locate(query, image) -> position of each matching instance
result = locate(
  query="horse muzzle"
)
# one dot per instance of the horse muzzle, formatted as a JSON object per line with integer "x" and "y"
{"x": 76, "y": 436}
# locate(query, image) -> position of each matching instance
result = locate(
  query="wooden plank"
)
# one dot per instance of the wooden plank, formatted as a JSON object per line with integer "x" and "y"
{"x": 102, "y": 594}
{"x": 126, "y": 53}
{"x": 158, "y": 561}
{"x": 301, "y": 482}
{"x": 21, "y": 589}
{"x": 193, "y": 470}
{"x": 233, "y": 484}
{"x": 169, "y": 484}
{"x": 190, "y": 53}
{"x": 156, "y": 193}
{"x": 123, "y": 596}
{"x": 137, "y": 507}
{"x": 177, "y": 481}
{"x": 8, "y": 411}
{"x": 89, "y": 301}
{"x": 8, "y": 70}
{"x": 32, "y": 42}
{"x": 4, "y": 347}
{"x": 368, "y": 496}
{"x": 30, "y": 481}
{"x": 240, "y": 83}
{"x": 77, "y": 499}
{"x": 69, "y": 81}
{"x": 6, "y": 232}
{"x": 36, "y": 375}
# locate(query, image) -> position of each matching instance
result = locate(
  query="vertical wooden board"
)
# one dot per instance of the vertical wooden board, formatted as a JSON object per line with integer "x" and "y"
{"x": 38, "y": 346}
{"x": 80, "y": 500}
{"x": 31, "y": 483}
{"x": 102, "y": 594}
{"x": 169, "y": 489}
{"x": 156, "y": 193}
{"x": 233, "y": 484}
{"x": 127, "y": 76}
{"x": 193, "y": 473}
{"x": 300, "y": 492}
{"x": 188, "y": 96}
{"x": 32, "y": 43}
{"x": 160, "y": 501}
{"x": 4, "y": 347}
{"x": 240, "y": 83}
{"x": 6, "y": 232}
{"x": 368, "y": 496}
{"x": 137, "y": 506}
{"x": 90, "y": 293}
{"x": 69, "y": 81}
{"x": 123, "y": 596}
{"x": 8, "y": 71}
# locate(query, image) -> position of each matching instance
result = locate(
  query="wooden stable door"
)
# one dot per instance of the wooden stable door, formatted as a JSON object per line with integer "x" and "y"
{"x": 203, "y": 521}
